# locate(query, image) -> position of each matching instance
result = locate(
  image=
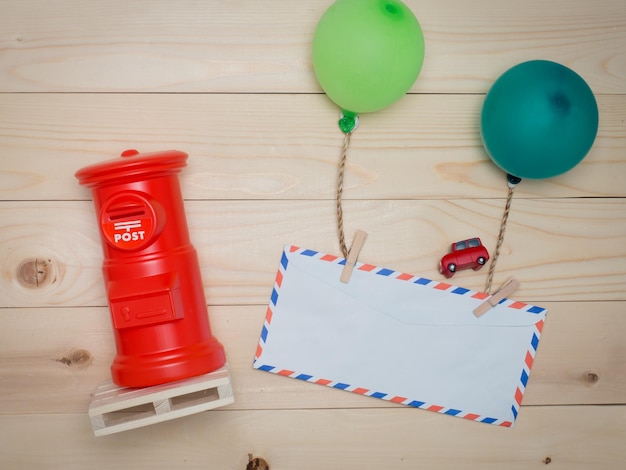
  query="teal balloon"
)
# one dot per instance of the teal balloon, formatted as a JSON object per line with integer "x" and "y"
{"x": 367, "y": 53}
{"x": 539, "y": 120}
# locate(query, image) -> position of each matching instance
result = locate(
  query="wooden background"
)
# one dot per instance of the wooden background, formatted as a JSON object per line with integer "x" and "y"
{"x": 231, "y": 83}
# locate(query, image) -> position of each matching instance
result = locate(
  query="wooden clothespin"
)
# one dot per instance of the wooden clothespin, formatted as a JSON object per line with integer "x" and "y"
{"x": 505, "y": 290}
{"x": 359, "y": 240}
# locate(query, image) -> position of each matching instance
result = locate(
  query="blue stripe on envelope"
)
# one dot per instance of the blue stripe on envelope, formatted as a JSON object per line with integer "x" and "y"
{"x": 535, "y": 341}
{"x": 385, "y": 272}
{"x": 524, "y": 378}
{"x": 536, "y": 310}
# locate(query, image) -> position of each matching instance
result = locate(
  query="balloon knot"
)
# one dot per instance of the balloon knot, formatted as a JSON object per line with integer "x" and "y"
{"x": 348, "y": 122}
{"x": 512, "y": 181}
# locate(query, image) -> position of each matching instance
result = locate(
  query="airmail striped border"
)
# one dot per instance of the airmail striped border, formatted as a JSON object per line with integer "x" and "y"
{"x": 525, "y": 373}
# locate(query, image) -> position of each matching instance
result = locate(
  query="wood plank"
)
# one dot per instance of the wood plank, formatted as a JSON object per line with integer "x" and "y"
{"x": 572, "y": 438}
{"x": 283, "y": 147}
{"x": 53, "y": 359}
{"x": 559, "y": 249}
{"x": 143, "y": 46}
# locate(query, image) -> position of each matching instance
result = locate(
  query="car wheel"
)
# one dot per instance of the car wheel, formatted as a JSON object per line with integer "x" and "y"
{"x": 481, "y": 260}
{"x": 452, "y": 267}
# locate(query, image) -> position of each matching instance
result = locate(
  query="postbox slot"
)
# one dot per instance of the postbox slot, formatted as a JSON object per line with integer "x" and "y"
{"x": 124, "y": 209}
{"x": 145, "y": 301}
{"x": 124, "y": 215}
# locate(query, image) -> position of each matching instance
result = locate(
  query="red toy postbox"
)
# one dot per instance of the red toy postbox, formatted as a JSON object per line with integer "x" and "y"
{"x": 151, "y": 270}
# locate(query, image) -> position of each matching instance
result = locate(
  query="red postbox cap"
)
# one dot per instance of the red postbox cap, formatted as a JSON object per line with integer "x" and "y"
{"x": 132, "y": 166}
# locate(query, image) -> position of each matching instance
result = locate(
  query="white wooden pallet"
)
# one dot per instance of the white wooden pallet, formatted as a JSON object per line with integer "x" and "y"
{"x": 114, "y": 409}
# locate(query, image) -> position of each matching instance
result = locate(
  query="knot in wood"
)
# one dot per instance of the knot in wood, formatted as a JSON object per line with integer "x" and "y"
{"x": 256, "y": 463}
{"x": 34, "y": 273}
{"x": 77, "y": 358}
{"x": 592, "y": 377}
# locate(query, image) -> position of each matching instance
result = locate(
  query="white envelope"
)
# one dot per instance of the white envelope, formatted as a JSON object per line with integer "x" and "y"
{"x": 398, "y": 337}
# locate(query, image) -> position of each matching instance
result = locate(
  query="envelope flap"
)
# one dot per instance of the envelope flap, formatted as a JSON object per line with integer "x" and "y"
{"x": 406, "y": 298}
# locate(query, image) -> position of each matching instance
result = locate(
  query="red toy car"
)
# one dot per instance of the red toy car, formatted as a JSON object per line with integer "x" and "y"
{"x": 464, "y": 255}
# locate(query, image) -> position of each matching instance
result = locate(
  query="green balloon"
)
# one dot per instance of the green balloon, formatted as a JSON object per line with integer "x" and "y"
{"x": 367, "y": 53}
{"x": 539, "y": 120}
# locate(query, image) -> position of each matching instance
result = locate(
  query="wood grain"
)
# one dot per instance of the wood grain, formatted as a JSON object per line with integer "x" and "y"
{"x": 579, "y": 257}
{"x": 249, "y": 46}
{"x": 232, "y": 84}
{"x": 572, "y": 438}
{"x": 283, "y": 147}
{"x": 53, "y": 359}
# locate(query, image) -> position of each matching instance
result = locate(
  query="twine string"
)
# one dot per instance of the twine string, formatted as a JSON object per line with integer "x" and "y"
{"x": 496, "y": 254}
{"x": 340, "y": 177}
{"x": 512, "y": 182}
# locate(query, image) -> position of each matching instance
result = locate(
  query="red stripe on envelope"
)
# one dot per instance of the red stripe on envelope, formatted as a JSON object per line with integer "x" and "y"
{"x": 405, "y": 277}
{"x": 443, "y": 286}
{"x": 360, "y": 391}
{"x": 367, "y": 267}
{"x": 323, "y": 381}
{"x": 539, "y": 325}
{"x": 293, "y": 248}
{"x": 529, "y": 360}
{"x": 268, "y": 316}
{"x": 399, "y": 399}
{"x": 329, "y": 258}
{"x": 435, "y": 408}
{"x": 279, "y": 278}
{"x": 285, "y": 372}
{"x": 518, "y": 305}
{"x": 518, "y": 396}
{"x": 480, "y": 295}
